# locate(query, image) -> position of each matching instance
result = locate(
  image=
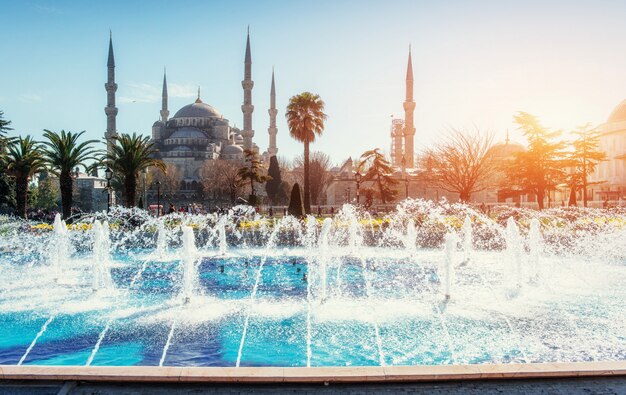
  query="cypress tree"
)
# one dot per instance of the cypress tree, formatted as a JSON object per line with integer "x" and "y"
{"x": 296, "y": 207}
{"x": 272, "y": 186}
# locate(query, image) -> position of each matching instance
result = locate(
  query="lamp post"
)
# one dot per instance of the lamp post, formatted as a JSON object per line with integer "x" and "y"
{"x": 406, "y": 185}
{"x": 357, "y": 178}
{"x": 145, "y": 192}
{"x": 108, "y": 174}
{"x": 158, "y": 184}
{"x": 348, "y": 195}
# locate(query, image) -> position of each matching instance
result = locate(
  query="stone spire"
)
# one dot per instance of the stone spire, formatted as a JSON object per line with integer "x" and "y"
{"x": 110, "y": 110}
{"x": 272, "y": 150}
{"x": 247, "y": 108}
{"x": 164, "y": 111}
{"x": 409, "y": 109}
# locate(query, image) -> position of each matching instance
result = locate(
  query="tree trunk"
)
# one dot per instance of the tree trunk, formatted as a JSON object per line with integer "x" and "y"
{"x": 66, "y": 186}
{"x": 585, "y": 191}
{"x": 540, "y": 196}
{"x": 572, "y": 197}
{"x": 464, "y": 196}
{"x": 382, "y": 192}
{"x": 130, "y": 183}
{"x": 21, "y": 195}
{"x": 307, "y": 186}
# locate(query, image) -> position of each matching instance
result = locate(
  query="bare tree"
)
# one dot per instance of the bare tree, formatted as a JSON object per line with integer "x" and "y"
{"x": 318, "y": 169}
{"x": 220, "y": 179}
{"x": 461, "y": 163}
{"x": 170, "y": 179}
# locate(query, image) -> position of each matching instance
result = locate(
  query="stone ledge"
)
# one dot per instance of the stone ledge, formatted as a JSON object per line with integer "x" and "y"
{"x": 312, "y": 375}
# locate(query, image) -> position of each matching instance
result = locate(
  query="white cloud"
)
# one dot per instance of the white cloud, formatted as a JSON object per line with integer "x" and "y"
{"x": 178, "y": 90}
{"x": 45, "y": 9}
{"x": 147, "y": 93}
{"x": 29, "y": 98}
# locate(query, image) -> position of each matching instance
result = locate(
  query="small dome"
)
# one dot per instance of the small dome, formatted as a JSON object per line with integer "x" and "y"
{"x": 618, "y": 114}
{"x": 505, "y": 150}
{"x": 158, "y": 124}
{"x": 232, "y": 149}
{"x": 188, "y": 133}
{"x": 197, "y": 110}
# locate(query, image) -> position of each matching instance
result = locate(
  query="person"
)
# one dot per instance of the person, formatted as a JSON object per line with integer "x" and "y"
{"x": 332, "y": 211}
{"x": 172, "y": 209}
{"x": 319, "y": 211}
{"x": 271, "y": 212}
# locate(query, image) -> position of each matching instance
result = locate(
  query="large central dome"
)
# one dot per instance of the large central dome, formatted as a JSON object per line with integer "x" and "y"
{"x": 198, "y": 109}
{"x": 618, "y": 114}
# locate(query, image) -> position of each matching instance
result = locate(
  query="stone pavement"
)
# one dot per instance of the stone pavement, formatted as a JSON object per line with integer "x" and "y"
{"x": 574, "y": 386}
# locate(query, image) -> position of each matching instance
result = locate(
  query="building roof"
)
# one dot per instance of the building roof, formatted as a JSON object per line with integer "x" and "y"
{"x": 182, "y": 148}
{"x": 505, "y": 150}
{"x": 198, "y": 109}
{"x": 232, "y": 149}
{"x": 188, "y": 133}
{"x": 618, "y": 114}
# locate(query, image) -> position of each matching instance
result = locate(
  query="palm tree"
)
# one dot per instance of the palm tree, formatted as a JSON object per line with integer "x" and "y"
{"x": 129, "y": 156}
{"x": 305, "y": 118}
{"x": 63, "y": 153}
{"x": 379, "y": 171}
{"x": 23, "y": 160}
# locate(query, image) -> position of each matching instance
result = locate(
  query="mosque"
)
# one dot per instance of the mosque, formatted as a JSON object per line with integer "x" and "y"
{"x": 198, "y": 133}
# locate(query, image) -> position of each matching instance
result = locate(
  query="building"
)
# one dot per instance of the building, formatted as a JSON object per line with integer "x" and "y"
{"x": 611, "y": 174}
{"x": 198, "y": 133}
{"x": 403, "y": 131}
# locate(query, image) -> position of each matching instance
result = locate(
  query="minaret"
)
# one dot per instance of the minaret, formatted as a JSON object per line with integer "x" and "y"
{"x": 272, "y": 150}
{"x": 110, "y": 110}
{"x": 247, "y": 108}
{"x": 409, "y": 108}
{"x": 164, "y": 111}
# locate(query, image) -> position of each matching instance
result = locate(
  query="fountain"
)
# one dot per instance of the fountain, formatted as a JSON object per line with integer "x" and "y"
{"x": 101, "y": 257}
{"x": 190, "y": 273}
{"x": 161, "y": 243}
{"x": 59, "y": 246}
{"x": 467, "y": 240}
{"x": 428, "y": 284}
{"x": 534, "y": 249}
{"x": 514, "y": 255}
{"x": 450, "y": 246}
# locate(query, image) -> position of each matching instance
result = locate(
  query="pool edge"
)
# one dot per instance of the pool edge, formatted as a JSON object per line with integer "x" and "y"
{"x": 312, "y": 375}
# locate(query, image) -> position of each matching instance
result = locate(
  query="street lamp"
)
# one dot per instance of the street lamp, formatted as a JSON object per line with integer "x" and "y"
{"x": 158, "y": 184}
{"x": 406, "y": 185}
{"x": 145, "y": 192}
{"x": 108, "y": 174}
{"x": 357, "y": 178}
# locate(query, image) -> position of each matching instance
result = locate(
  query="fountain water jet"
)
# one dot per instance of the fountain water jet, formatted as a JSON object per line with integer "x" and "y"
{"x": 534, "y": 249}
{"x": 323, "y": 249}
{"x": 221, "y": 232}
{"x": 32, "y": 344}
{"x": 467, "y": 240}
{"x": 271, "y": 242}
{"x": 190, "y": 272}
{"x": 411, "y": 236}
{"x": 451, "y": 241}
{"x": 101, "y": 252}
{"x": 59, "y": 246}
{"x": 161, "y": 244}
{"x": 514, "y": 252}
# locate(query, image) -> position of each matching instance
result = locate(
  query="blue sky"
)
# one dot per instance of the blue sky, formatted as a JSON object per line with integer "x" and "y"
{"x": 475, "y": 63}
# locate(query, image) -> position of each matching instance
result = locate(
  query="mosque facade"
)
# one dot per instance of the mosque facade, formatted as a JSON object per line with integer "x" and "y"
{"x": 198, "y": 133}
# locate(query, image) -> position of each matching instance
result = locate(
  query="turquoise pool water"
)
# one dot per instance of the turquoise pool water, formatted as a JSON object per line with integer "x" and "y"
{"x": 382, "y": 306}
